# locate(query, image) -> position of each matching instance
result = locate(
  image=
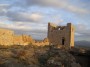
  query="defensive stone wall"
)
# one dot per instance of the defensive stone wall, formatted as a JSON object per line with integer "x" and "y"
{"x": 7, "y": 37}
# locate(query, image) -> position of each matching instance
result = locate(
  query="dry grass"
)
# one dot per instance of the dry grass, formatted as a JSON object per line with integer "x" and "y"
{"x": 16, "y": 55}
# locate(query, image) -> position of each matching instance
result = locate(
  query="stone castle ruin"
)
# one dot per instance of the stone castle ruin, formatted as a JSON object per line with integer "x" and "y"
{"x": 61, "y": 35}
{"x": 7, "y": 37}
{"x": 57, "y": 35}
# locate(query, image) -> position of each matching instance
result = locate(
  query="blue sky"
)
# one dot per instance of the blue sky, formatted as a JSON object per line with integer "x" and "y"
{"x": 31, "y": 16}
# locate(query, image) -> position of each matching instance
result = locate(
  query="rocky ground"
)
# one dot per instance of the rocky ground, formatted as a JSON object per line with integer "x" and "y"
{"x": 33, "y": 56}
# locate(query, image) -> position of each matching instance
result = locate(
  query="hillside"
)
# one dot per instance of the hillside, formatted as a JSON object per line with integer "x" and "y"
{"x": 83, "y": 44}
{"x": 34, "y": 56}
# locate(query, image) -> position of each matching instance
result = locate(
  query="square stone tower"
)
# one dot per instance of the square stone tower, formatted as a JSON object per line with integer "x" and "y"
{"x": 61, "y": 35}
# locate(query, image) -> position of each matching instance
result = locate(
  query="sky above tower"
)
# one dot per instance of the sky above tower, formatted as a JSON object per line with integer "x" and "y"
{"x": 32, "y": 16}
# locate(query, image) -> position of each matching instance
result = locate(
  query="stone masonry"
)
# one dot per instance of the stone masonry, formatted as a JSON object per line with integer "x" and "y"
{"x": 7, "y": 37}
{"x": 57, "y": 35}
{"x": 61, "y": 35}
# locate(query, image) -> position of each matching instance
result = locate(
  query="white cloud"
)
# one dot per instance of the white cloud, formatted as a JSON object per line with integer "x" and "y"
{"x": 14, "y": 26}
{"x": 24, "y": 16}
{"x": 36, "y": 17}
{"x": 3, "y": 9}
{"x": 63, "y": 4}
{"x": 83, "y": 29}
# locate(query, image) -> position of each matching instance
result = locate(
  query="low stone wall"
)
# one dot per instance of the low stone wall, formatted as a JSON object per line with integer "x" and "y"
{"x": 41, "y": 43}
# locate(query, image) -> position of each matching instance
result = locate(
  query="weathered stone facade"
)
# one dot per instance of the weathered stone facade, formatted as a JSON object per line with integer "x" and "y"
{"x": 22, "y": 40}
{"x": 61, "y": 35}
{"x": 7, "y": 37}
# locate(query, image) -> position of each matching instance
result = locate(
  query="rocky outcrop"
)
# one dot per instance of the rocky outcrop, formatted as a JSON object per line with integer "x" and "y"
{"x": 33, "y": 56}
{"x": 58, "y": 58}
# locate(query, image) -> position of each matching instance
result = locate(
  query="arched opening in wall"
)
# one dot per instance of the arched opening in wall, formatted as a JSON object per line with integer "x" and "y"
{"x": 63, "y": 41}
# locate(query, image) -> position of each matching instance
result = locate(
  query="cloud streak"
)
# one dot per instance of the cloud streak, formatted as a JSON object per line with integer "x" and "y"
{"x": 3, "y": 9}
{"x": 61, "y": 4}
{"x": 24, "y": 17}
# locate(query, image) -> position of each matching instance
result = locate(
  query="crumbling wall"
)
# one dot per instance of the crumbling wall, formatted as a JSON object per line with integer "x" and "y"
{"x": 27, "y": 39}
{"x": 61, "y": 35}
{"x": 6, "y": 37}
{"x": 42, "y": 43}
{"x": 23, "y": 40}
{"x": 18, "y": 40}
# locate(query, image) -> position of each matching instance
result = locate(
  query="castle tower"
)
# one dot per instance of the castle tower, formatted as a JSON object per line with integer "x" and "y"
{"x": 61, "y": 35}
